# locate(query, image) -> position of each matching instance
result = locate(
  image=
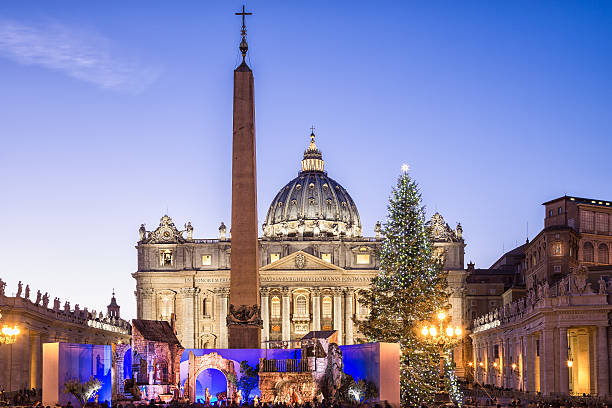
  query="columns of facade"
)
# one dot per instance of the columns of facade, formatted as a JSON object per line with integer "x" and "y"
{"x": 563, "y": 368}
{"x": 265, "y": 315}
{"x": 189, "y": 316}
{"x": 286, "y": 321}
{"x": 507, "y": 373}
{"x": 35, "y": 361}
{"x": 547, "y": 362}
{"x": 530, "y": 362}
{"x": 338, "y": 314}
{"x": 316, "y": 309}
{"x": 148, "y": 304}
{"x": 222, "y": 297}
{"x": 349, "y": 295}
{"x": 25, "y": 361}
{"x": 602, "y": 361}
{"x": 491, "y": 374}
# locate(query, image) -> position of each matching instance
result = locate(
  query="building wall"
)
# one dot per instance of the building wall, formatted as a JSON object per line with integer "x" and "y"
{"x": 21, "y": 363}
{"x": 324, "y": 293}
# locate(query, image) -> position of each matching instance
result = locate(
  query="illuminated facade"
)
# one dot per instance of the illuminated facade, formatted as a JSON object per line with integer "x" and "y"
{"x": 39, "y": 323}
{"x": 315, "y": 265}
{"x": 555, "y": 337}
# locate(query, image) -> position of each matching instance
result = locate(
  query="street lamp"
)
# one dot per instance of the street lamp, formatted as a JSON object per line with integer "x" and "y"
{"x": 445, "y": 338}
{"x": 8, "y": 335}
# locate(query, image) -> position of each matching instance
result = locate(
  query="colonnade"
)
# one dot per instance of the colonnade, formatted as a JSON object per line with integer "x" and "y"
{"x": 551, "y": 360}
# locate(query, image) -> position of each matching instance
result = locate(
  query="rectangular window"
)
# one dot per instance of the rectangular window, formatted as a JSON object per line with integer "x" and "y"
{"x": 601, "y": 222}
{"x": 165, "y": 257}
{"x": 557, "y": 269}
{"x": 274, "y": 257}
{"x": 363, "y": 259}
{"x": 206, "y": 260}
{"x": 326, "y": 256}
{"x": 559, "y": 210}
{"x": 587, "y": 221}
{"x": 496, "y": 351}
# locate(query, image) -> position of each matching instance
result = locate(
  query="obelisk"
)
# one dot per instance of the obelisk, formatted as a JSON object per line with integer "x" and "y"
{"x": 244, "y": 320}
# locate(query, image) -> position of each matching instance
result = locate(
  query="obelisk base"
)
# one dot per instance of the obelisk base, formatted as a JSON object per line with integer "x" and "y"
{"x": 244, "y": 337}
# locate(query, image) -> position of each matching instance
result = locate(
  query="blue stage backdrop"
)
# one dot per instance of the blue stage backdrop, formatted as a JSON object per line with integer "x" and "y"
{"x": 67, "y": 361}
{"x": 361, "y": 361}
{"x": 252, "y": 356}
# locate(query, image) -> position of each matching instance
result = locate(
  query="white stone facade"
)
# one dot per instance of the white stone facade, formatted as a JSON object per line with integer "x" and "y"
{"x": 527, "y": 344}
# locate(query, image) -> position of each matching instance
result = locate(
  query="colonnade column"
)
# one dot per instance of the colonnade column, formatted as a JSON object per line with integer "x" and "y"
{"x": 316, "y": 309}
{"x": 349, "y": 294}
{"x": 338, "y": 314}
{"x": 265, "y": 315}
{"x": 286, "y": 322}
{"x": 35, "y": 361}
{"x": 563, "y": 368}
{"x": 602, "y": 361}
{"x": 530, "y": 362}
{"x": 222, "y": 296}
{"x": 547, "y": 365}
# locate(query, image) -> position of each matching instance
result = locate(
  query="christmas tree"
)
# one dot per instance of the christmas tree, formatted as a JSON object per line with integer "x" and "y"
{"x": 409, "y": 290}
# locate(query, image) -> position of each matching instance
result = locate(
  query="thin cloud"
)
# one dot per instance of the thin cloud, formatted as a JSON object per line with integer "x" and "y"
{"x": 83, "y": 56}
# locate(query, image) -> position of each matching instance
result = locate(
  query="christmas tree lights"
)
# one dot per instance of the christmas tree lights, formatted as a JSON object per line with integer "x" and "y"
{"x": 409, "y": 290}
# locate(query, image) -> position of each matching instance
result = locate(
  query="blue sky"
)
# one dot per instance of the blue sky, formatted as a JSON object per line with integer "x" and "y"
{"x": 113, "y": 112}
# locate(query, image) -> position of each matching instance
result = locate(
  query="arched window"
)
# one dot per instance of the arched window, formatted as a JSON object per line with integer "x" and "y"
{"x": 327, "y": 306}
{"x": 364, "y": 310}
{"x": 588, "y": 252}
{"x": 300, "y": 306}
{"x": 276, "y": 307}
{"x": 603, "y": 255}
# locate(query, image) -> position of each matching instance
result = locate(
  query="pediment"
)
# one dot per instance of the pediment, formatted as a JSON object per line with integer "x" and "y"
{"x": 301, "y": 261}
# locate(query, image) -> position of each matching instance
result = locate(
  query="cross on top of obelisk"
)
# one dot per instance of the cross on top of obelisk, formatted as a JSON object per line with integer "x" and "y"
{"x": 244, "y": 47}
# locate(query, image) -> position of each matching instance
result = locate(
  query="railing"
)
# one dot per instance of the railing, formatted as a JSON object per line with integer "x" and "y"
{"x": 284, "y": 366}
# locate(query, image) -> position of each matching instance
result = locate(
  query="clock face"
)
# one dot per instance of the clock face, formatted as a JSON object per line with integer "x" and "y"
{"x": 166, "y": 234}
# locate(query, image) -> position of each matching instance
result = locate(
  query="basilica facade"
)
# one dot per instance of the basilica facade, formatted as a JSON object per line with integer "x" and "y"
{"x": 315, "y": 266}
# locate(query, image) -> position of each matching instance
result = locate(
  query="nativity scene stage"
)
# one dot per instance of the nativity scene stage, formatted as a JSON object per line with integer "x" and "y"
{"x": 156, "y": 367}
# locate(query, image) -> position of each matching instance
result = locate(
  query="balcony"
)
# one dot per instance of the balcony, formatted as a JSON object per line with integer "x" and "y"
{"x": 283, "y": 366}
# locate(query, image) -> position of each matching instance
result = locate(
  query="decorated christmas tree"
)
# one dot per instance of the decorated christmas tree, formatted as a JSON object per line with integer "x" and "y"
{"x": 409, "y": 290}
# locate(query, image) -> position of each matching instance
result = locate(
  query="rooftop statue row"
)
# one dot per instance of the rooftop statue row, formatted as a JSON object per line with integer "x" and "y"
{"x": 572, "y": 286}
{"x": 167, "y": 232}
{"x": 42, "y": 301}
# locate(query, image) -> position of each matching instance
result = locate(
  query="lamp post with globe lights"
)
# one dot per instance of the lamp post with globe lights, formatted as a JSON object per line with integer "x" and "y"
{"x": 445, "y": 337}
{"x": 8, "y": 335}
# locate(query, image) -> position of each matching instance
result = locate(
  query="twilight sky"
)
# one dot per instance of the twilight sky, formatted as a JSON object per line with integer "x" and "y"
{"x": 113, "y": 112}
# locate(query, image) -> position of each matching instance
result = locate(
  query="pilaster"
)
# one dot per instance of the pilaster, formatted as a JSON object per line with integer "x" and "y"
{"x": 222, "y": 295}
{"x": 338, "y": 314}
{"x": 189, "y": 316}
{"x": 563, "y": 368}
{"x": 349, "y": 295}
{"x": 285, "y": 313}
{"x": 265, "y": 314}
{"x": 316, "y": 309}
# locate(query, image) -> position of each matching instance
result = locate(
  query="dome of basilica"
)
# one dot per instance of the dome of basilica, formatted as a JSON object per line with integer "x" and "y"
{"x": 312, "y": 204}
